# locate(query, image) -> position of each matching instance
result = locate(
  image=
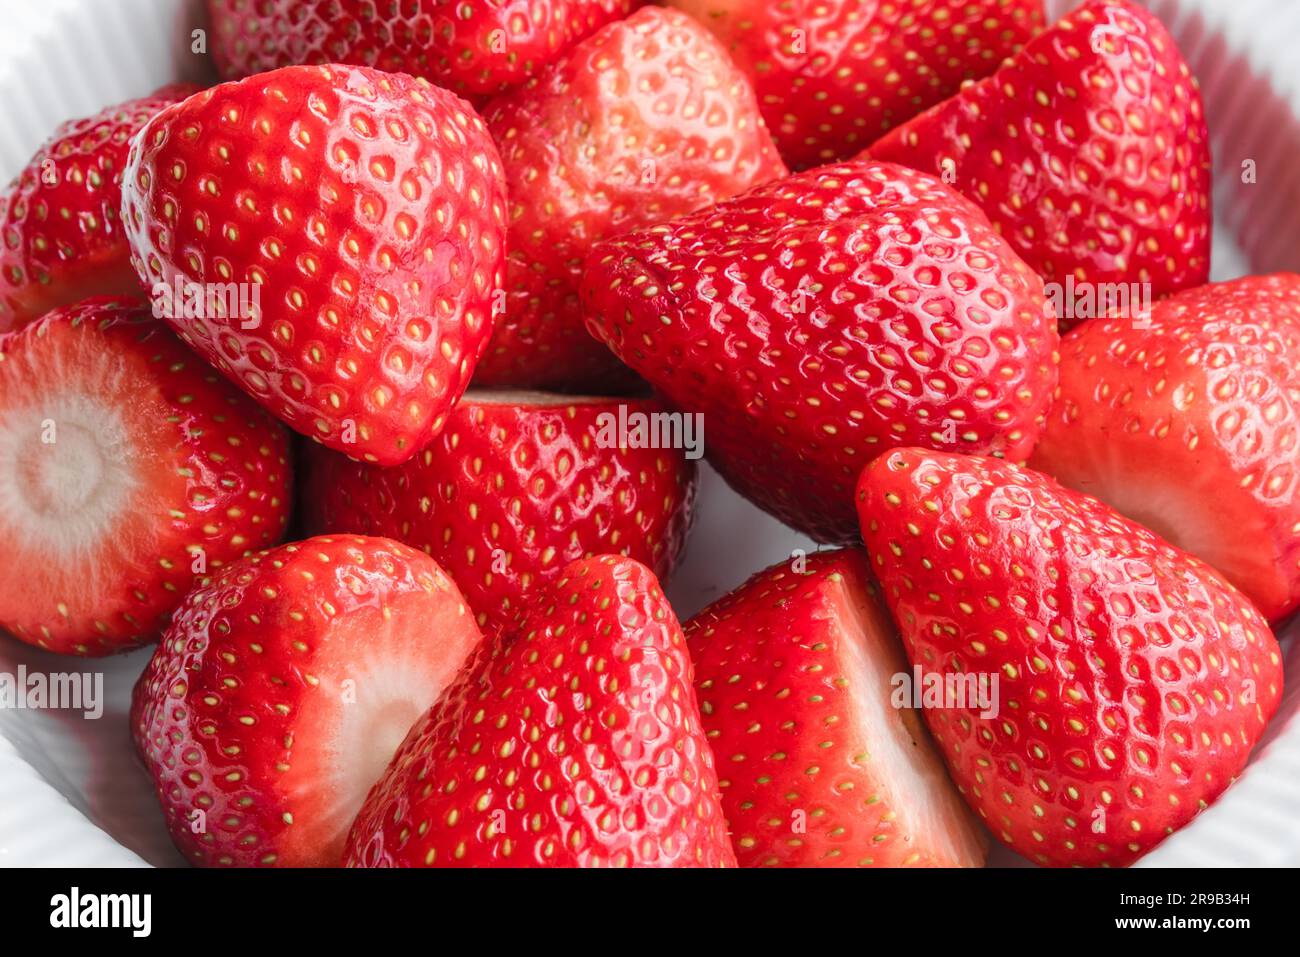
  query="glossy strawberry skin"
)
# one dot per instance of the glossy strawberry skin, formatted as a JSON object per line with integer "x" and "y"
{"x": 513, "y": 491}
{"x": 816, "y": 769}
{"x": 369, "y": 209}
{"x": 646, "y": 120}
{"x": 834, "y": 75}
{"x": 1091, "y": 164}
{"x": 574, "y": 741}
{"x": 819, "y": 320}
{"x": 235, "y": 714}
{"x": 60, "y": 239}
{"x": 1134, "y": 681}
{"x": 1189, "y": 422}
{"x": 133, "y": 469}
{"x": 472, "y": 49}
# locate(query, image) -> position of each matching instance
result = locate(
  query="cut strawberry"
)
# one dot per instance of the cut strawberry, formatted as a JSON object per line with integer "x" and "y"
{"x": 647, "y": 120}
{"x": 283, "y": 687}
{"x": 360, "y": 217}
{"x": 821, "y": 319}
{"x": 60, "y": 238}
{"x": 1132, "y": 681}
{"x": 834, "y": 75}
{"x": 1189, "y": 422}
{"x": 474, "y": 48}
{"x": 516, "y": 487}
{"x": 1088, "y": 150}
{"x": 797, "y": 674}
{"x": 573, "y": 741}
{"x": 127, "y": 469}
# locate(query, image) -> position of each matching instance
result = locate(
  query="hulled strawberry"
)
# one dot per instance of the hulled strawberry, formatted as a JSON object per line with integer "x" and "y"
{"x": 282, "y": 688}
{"x": 60, "y": 239}
{"x": 1088, "y": 150}
{"x": 473, "y": 49}
{"x": 1132, "y": 680}
{"x": 822, "y": 319}
{"x": 647, "y": 120}
{"x": 359, "y": 218}
{"x": 127, "y": 469}
{"x": 834, "y": 75}
{"x": 1188, "y": 422}
{"x": 821, "y": 762}
{"x": 517, "y": 486}
{"x": 573, "y": 741}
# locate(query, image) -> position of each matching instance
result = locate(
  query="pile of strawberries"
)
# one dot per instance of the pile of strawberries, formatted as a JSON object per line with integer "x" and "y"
{"x": 837, "y": 230}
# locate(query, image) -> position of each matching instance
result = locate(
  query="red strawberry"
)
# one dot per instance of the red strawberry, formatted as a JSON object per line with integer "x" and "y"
{"x": 1189, "y": 422}
{"x": 127, "y": 467}
{"x": 1133, "y": 681}
{"x": 59, "y": 217}
{"x": 516, "y": 487}
{"x": 1088, "y": 151}
{"x": 282, "y": 689}
{"x": 646, "y": 120}
{"x": 833, "y": 75}
{"x": 573, "y": 742}
{"x": 474, "y": 48}
{"x": 366, "y": 210}
{"x": 796, "y": 673}
{"x": 819, "y": 320}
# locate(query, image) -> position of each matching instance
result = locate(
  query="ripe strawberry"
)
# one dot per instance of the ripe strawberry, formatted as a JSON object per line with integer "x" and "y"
{"x": 833, "y": 75}
{"x": 475, "y": 49}
{"x": 646, "y": 120}
{"x": 822, "y": 319}
{"x": 1133, "y": 680}
{"x": 1189, "y": 424}
{"x": 1088, "y": 151}
{"x": 283, "y": 687}
{"x": 516, "y": 487}
{"x": 59, "y": 217}
{"x": 796, "y": 673}
{"x": 127, "y": 467}
{"x": 573, "y": 742}
{"x": 367, "y": 212}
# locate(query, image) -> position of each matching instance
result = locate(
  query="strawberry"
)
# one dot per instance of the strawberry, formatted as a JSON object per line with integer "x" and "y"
{"x": 1197, "y": 406}
{"x": 360, "y": 217}
{"x": 516, "y": 487}
{"x": 127, "y": 468}
{"x": 473, "y": 48}
{"x": 573, "y": 741}
{"x": 1088, "y": 150}
{"x": 833, "y": 75}
{"x": 283, "y": 687}
{"x": 1132, "y": 680}
{"x": 646, "y": 120}
{"x": 59, "y": 217}
{"x": 796, "y": 673}
{"x": 821, "y": 319}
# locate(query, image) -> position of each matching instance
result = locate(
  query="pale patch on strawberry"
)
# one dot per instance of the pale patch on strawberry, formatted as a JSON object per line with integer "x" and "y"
{"x": 795, "y": 672}
{"x": 1134, "y": 681}
{"x": 127, "y": 469}
{"x": 491, "y": 776}
{"x": 282, "y": 688}
{"x": 1189, "y": 423}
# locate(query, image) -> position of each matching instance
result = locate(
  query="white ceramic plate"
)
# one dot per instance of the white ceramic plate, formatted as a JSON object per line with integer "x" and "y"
{"x": 71, "y": 790}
